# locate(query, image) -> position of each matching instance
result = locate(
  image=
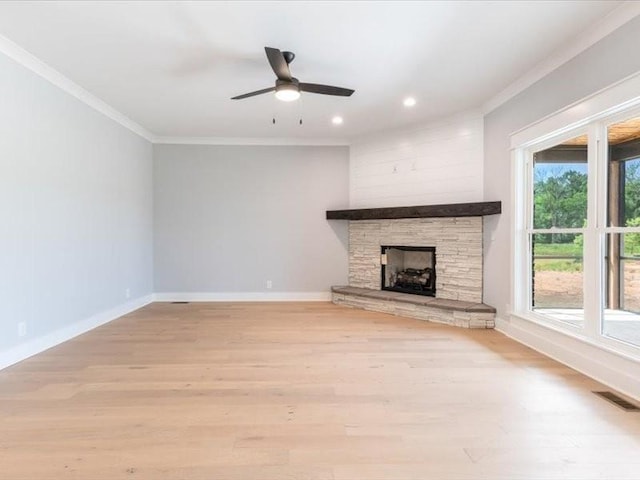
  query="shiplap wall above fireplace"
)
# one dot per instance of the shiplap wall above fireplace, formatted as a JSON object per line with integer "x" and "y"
{"x": 434, "y": 163}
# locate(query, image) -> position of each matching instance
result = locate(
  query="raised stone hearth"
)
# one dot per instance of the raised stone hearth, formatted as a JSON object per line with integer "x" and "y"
{"x": 452, "y": 312}
{"x": 457, "y": 241}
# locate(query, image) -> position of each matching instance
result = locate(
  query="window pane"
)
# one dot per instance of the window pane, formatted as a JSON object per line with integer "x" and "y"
{"x": 631, "y": 285}
{"x": 622, "y": 312}
{"x": 632, "y": 193}
{"x": 560, "y": 185}
{"x": 624, "y": 173}
{"x": 557, "y": 284}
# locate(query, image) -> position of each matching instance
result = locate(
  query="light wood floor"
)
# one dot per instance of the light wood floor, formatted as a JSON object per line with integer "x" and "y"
{"x": 303, "y": 391}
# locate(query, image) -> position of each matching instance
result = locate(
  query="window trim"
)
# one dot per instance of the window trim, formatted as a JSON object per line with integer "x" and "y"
{"x": 590, "y": 116}
{"x": 616, "y": 99}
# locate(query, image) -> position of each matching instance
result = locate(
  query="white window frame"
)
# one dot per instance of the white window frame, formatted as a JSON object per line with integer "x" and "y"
{"x": 590, "y": 116}
{"x": 529, "y": 230}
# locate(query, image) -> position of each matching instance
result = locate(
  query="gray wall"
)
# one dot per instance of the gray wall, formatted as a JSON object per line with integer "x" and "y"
{"x": 75, "y": 209}
{"x": 605, "y": 63}
{"x": 229, "y": 218}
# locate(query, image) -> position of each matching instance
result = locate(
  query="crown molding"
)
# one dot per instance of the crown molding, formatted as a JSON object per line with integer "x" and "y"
{"x": 262, "y": 141}
{"x": 37, "y": 66}
{"x": 614, "y": 20}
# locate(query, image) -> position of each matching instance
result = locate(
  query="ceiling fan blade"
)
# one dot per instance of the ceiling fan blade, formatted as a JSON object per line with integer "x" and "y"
{"x": 253, "y": 94}
{"x": 278, "y": 63}
{"x": 325, "y": 89}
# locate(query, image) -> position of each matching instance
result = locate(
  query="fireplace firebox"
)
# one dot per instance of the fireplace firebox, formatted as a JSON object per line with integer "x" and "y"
{"x": 409, "y": 269}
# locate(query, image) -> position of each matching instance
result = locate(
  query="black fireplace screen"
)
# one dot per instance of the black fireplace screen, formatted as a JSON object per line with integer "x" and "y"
{"x": 409, "y": 269}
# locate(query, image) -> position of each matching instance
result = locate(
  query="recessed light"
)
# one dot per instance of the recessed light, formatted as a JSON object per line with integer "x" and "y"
{"x": 337, "y": 120}
{"x": 409, "y": 102}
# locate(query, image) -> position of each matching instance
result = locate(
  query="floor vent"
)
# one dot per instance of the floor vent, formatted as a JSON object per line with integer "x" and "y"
{"x": 618, "y": 401}
{"x": 179, "y": 303}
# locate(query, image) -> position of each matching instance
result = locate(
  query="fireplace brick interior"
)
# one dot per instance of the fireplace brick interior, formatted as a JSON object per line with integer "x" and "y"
{"x": 408, "y": 269}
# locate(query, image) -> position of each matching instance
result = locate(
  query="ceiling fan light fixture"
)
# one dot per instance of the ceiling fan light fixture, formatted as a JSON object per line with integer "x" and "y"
{"x": 287, "y": 92}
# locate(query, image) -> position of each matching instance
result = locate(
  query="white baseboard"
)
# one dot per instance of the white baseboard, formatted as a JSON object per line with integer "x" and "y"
{"x": 243, "y": 297}
{"x": 40, "y": 344}
{"x": 616, "y": 371}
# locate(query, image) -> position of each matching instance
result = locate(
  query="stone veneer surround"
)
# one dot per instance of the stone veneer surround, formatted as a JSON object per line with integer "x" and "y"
{"x": 458, "y": 243}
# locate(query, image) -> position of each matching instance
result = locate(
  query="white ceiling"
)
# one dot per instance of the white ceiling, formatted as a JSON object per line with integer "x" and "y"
{"x": 173, "y": 66}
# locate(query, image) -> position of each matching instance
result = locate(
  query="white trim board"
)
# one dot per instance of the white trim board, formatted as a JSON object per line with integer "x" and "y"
{"x": 258, "y": 141}
{"x": 611, "y": 22}
{"x": 620, "y": 96}
{"x": 37, "y": 66}
{"x": 616, "y": 371}
{"x": 243, "y": 297}
{"x": 40, "y": 344}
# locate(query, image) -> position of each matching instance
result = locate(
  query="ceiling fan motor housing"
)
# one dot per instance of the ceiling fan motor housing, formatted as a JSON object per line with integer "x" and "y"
{"x": 288, "y": 57}
{"x": 280, "y": 83}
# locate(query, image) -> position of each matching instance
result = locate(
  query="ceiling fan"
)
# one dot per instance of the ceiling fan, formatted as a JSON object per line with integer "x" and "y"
{"x": 287, "y": 87}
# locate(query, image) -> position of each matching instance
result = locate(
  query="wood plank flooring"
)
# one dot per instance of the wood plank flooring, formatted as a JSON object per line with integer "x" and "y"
{"x": 304, "y": 391}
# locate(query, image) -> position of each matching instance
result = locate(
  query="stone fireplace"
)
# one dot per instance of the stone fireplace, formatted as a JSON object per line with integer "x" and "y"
{"x": 458, "y": 242}
{"x": 383, "y": 250}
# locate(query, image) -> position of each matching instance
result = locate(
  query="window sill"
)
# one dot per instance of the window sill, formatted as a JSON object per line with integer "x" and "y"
{"x": 609, "y": 345}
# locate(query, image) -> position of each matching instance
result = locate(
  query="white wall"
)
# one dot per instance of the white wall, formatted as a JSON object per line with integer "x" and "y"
{"x": 229, "y": 218}
{"x": 439, "y": 162}
{"x": 75, "y": 213}
{"x": 603, "y": 64}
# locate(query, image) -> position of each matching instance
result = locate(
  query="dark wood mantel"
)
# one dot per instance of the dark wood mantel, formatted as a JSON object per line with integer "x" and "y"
{"x": 475, "y": 209}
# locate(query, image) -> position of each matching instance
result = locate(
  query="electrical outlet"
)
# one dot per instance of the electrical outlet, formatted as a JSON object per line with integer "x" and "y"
{"x": 127, "y": 293}
{"x": 22, "y": 329}
{"x": 269, "y": 284}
